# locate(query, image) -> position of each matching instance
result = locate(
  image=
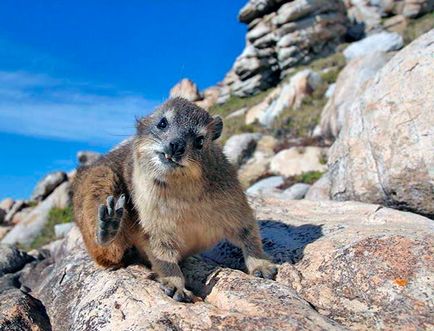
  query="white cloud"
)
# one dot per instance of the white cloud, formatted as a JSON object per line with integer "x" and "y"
{"x": 39, "y": 105}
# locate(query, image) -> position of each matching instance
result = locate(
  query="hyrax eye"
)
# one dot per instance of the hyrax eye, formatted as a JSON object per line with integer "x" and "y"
{"x": 162, "y": 124}
{"x": 198, "y": 142}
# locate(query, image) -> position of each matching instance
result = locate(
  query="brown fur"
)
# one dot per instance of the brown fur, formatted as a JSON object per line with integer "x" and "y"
{"x": 171, "y": 217}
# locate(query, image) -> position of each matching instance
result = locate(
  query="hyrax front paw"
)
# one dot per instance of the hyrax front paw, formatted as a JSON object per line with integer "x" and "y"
{"x": 264, "y": 269}
{"x": 178, "y": 293}
{"x": 109, "y": 219}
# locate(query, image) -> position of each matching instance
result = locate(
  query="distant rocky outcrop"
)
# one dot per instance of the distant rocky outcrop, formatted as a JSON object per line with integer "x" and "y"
{"x": 384, "y": 151}
{"x": 48, "y": 184}
{"x": 371, "y": 13}
{"x": 186, "y": 89}
{"x": 282, "y": 34}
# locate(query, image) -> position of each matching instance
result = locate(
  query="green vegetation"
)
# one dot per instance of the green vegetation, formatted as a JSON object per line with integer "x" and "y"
{"x": 323, "y": 159}
{"x": 56, "y": 216}
{"x": 418, "y": 27}
{"x": 328, "y": 67}
{"x": 308, "y": 177}
{"x": 32, "y": 203}
{"x": 293, "y": 121}
{"x": 300, "y": 122}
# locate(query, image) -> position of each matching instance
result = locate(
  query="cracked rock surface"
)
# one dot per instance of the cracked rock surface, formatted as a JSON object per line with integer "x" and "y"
{"x": 388, "y": 136}
{"x": 342, "y": 265}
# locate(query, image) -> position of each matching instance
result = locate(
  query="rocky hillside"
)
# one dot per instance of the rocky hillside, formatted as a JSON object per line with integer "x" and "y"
{"x": 329, "y": 119}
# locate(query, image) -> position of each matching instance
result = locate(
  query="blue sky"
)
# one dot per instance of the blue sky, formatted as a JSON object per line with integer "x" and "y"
{"x": 74, "y": 74}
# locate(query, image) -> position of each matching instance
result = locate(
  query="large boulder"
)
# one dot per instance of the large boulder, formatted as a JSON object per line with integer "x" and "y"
{"x": 12, "y": 259}
{"x": 364, "y": 266}
{"x": 384, "y": 151}
{"x": 379, "y": 42}
{"x": 32, "y": 224}
{"x": 82, "y": 296}
{"x": 48, "y": 185}
{"x": 266, "y": 186}
{"x": 186, "y": 89}
{"x": 350, "y": 84}
{"x": 296, "y": 191}
{"x": 240, "y": 147}
{"x": 21, "y": 311}
{"x": 298, "y": 160}
{"x": 258, "y": 165}
{"x": 320, "y": 190}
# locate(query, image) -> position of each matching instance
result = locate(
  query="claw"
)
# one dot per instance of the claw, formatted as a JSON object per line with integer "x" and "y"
{"x": 102, "y": 212}
{"x": 110, "y": 205}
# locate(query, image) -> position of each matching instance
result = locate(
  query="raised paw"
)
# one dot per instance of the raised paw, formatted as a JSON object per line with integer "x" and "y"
{"x": 178, "y": 293}
{"x": 265, "y": 269}
{"x": 109, "y": 219}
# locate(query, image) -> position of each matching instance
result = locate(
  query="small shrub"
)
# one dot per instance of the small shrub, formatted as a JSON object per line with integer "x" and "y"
{"x": 336, "y": 60}
{"x": 47, "y": 235}
{"x": 301, "y": 121}
{"x": 32, "y": 203}
{"x": 306, "y": 178}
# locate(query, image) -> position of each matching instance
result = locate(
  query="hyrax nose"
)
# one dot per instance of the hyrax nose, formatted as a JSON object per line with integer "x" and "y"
{"x": 177, "y": 147}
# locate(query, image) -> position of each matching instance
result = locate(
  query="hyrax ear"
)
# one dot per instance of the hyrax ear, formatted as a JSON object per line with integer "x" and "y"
{"x": 141, "y": 124}
{"x": 217, "y": 127}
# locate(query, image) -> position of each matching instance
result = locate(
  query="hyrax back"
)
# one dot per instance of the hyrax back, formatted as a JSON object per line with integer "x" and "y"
{"x": 169, "y": 193}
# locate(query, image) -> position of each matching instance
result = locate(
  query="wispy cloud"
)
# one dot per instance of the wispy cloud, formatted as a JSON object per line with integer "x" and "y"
{"x": 40, "y": 105}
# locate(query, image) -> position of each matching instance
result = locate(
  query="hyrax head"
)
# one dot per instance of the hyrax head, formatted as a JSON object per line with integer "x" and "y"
{"x": 175, "y": 137}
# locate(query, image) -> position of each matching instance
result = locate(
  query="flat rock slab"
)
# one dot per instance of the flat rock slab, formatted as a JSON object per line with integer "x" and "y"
{"x": 342, "y": 265}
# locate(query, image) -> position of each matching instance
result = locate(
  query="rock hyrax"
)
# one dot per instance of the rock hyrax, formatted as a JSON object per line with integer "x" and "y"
{"x": 169, "y": 193}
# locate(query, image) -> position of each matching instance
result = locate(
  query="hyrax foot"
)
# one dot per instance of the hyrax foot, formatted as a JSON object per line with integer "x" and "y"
{"x": 264, "y": 269}
{"x": 178, "y": 293}
{"x": 109, "y": 219}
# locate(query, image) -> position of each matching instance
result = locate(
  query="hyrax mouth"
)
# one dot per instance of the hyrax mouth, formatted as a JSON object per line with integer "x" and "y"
{"x": 168, "y": 160}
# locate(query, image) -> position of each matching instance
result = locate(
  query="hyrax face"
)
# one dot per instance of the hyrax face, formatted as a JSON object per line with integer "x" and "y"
{"x": 175, "y": 137}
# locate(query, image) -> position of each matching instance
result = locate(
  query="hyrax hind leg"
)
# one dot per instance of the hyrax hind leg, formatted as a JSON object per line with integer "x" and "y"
{"x": 99, "y": 217}
{"x": 249, "y": 240}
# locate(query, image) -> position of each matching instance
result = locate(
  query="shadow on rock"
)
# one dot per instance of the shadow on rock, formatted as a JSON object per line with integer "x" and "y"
{"x": 282, "y": 242}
